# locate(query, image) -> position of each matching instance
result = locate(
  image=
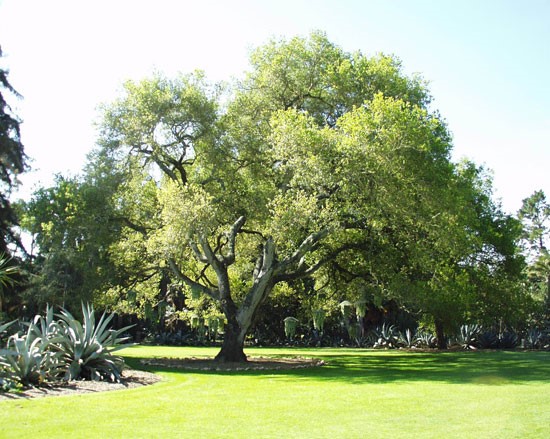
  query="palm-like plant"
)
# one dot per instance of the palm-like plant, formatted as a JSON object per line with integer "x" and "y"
{"x": 7, "y": 275}
{"x": 87, "y": 347}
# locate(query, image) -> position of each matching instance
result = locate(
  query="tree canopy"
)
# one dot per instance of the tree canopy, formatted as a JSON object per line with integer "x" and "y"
{"x": 12, "y": 162}
{"x": 320, "y": 166}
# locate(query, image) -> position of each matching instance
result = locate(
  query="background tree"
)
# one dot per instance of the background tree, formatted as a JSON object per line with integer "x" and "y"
{"x": 87, "y": 240}
{"x": 535, "y": 216}
{"x": 12, "y": 163}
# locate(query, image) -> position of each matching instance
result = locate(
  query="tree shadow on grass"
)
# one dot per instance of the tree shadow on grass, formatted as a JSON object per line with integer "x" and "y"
{"x": 488, "y": 368}
{"x": 378, "y": 367}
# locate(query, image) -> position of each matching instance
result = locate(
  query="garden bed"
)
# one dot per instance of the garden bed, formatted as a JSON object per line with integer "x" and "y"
{"x": 130, "y": 379}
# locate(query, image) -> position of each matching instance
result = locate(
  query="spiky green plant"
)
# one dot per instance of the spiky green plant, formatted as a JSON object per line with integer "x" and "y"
{"x": 407, "y": 338}
{"x": 28, "y": 358}
{"x": 468, "y": 336}
{"x": 508, "y": 340}
{"x": 386, "y": 336}
{"x": 425, "y": 339}
{"x": 87, "y": 347}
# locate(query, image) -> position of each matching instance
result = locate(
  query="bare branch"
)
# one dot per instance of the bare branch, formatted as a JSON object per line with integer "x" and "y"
{"x": 203, "y": 276}
{"x": 253, "y": 232}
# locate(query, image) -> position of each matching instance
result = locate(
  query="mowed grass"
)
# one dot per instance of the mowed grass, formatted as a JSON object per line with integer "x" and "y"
{"x": 359, "y": 393}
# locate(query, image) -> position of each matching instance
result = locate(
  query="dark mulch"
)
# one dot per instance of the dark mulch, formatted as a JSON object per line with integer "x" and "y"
{"x": 130, "y": 379}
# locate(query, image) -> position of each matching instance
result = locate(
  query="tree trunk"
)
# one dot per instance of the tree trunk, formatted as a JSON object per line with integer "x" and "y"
{"x": 267, "y": 272}
{"x": 233, "y": 340}
{"x": 440, "y": 334}
{"x": 233, "y": 345}
{"x": 239, "y": 320}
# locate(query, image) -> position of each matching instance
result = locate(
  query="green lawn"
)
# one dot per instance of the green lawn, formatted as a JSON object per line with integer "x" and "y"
{"x": 358, "y": 394}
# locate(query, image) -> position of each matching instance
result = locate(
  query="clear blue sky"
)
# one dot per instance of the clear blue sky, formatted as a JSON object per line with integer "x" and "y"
{"x": 488, "y": 63}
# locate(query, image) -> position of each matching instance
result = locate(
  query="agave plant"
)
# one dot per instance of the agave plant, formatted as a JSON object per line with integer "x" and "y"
{"x": 86, "y": 348}
{"x": 508, "y": 340}
{"x": 28, "y": 358}
{"x": 425, "y": 339}
{"x": 407, "y": 339}
{"x": 533, "y": 339}
{"x": 386, "y": 336}
{"x": 468, "y": 336}
{"x": 488, "y": 340}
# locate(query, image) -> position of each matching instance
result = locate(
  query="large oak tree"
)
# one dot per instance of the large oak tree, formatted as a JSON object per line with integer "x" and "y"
{"x": 318, "y": 156}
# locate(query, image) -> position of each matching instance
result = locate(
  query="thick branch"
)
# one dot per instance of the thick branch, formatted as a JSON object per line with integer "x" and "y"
{"x": 304, "y": 270}
{"x": 213, "y": 293}
{"x": 263, "y": 283}
{"x": 297, "y": 258}
{"x": 198, "y": 255}
{"x": 237, "y": 226}
{"x": 169, "y": 172}
{"x": 209, "y": 254}
{"x": 132, "y": 225}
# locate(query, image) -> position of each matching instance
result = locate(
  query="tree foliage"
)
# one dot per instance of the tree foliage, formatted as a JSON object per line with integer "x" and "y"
{"x": 321, "y": 173}
{"x": 320, "y": 163}
{"x": 535, "y": 215}
{"x": 12, "y": 162}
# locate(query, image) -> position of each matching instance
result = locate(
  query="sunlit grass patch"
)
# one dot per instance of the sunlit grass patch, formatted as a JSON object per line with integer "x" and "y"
{"x": 358, "y": 393}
